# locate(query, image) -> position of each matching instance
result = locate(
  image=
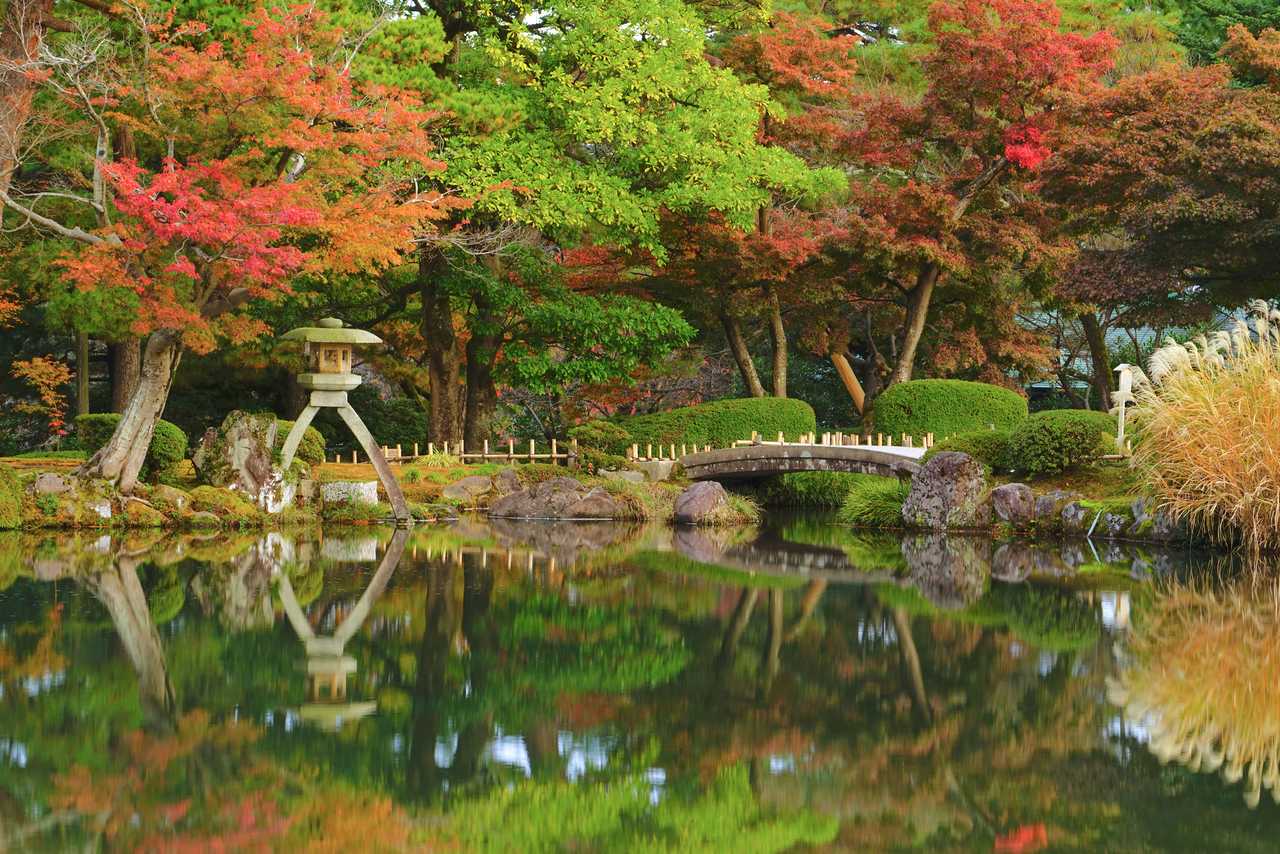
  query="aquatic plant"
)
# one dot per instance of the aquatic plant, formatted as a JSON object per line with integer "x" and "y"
{"x": 875, "y": 503}
{"x": 1205, "y": 678}
{"x": 1208, "y": 443}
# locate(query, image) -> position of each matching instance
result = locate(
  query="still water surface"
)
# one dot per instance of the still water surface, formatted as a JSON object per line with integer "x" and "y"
{"x": 595, "y": 687}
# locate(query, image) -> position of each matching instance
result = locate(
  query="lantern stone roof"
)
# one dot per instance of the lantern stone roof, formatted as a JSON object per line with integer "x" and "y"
{"x": 331, "y": 331}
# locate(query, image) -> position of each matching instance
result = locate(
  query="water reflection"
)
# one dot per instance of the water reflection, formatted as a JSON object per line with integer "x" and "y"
{"x": 540, "y": 687}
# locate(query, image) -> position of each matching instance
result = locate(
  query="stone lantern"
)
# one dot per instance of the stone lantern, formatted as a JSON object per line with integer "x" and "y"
{"x": 327, "y": 348}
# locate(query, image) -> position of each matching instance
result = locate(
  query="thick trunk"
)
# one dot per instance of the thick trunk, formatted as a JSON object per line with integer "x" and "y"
{"x": 911, "y": 669}
{"x": 741, "y": 355}
{"x": 120, "y": 460}
{"x": 444, "y": 356}
{"x": 1101, "y": 359}
{"x": 850, "y": 380}
{"x": 126, "y": 371}
{"x": 918, "y": 300}
{"x": 777, "y": 338}
{"x": 82, "y": 373}
{"x": 21, "y": 33}
{"x": 482, "y": 395}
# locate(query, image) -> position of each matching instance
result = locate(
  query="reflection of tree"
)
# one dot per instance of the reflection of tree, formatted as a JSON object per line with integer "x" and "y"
{"x": 1204, "y": 675}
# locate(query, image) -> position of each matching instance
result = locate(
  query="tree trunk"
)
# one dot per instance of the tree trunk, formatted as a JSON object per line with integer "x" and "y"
{"x": 126, "y": 369}
{"x": 444, "y": 356}
{"x": 482, "y": 396}
{"x": 741, "y": 355}
{"x": 918, "y": 300}
{"x": 778, "y": 338}
{"x": 82, "y": 373}
{"x": 21, "y": 33}
{"x": 120, "y": 460}
{"x": 1101, "y": 359}
{"x": 850, "y": 380}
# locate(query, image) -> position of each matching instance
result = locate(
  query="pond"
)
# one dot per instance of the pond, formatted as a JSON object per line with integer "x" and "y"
{"x": 597, "y": 687}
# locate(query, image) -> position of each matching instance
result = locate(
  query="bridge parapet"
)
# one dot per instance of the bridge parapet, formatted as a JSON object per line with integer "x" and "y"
{"x": 747, "y": 462}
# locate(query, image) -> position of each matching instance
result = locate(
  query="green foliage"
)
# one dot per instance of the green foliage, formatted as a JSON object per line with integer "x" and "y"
{"x": 310, "y": 449}
{"x": 399, "y": 421}
{"x": 1059, "y": 440}
{"x": 946, "y": 408}
{"x": 47, "y": 504}
{"x": 719, "y": 424}
{"x": 810, "y": 489}
{"x": 167, "y": 595}
{"x": 10, "y": 499}
{"x": 544, "y": 816}
{"x": 601, "y": 435}
{"x": 990, "y": 447}
{"x": 168, "y": 444}
{"x": 1204, "y": 24}
{"x": 875, "y": 503}
{"x": 565, "y": 647}
{"x": 1045, "y": 618}
{"x": 356, "y": 512}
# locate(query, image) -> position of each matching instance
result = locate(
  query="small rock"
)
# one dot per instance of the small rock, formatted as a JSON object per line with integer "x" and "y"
{"x": 1014, "y": 503}
{"x": 48, "y": 483}
{"x": 1048, "y": 508}
{"x": 203, "y": 519}
{"x": 140, "y": 514}
{"x": 1114, "y": 525}
{"x": 350, "y": 492}
{"x": 1076, "y": 518}
{"x": 557, "y": 498}
{"x": 949, "y": 492}
{"x": 468, "y": 489}
{"x": 171, "y": 497}
{"x": 696, "y": 504}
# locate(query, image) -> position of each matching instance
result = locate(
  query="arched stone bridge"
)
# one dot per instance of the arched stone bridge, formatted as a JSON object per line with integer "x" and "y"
{"x": 750, "y": 461}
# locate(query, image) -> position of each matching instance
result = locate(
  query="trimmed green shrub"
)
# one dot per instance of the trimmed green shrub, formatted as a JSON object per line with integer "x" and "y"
{"x": 946, "y": 408}
{"x": 990, "y": 447}
{"x": 168, "y": 444}
{"x": 875, "y": 503}
{"x": 600, "y": 435}
{"x": 310, "y": 449}
{"x": 10, "y": 499}
{"x": 1059, "y": 440}
{"x": 719, "y": 423}
{"x": 817, "y": 489}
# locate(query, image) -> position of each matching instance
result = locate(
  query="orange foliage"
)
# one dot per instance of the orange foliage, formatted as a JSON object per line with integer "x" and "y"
{"x": 47, "y": 377}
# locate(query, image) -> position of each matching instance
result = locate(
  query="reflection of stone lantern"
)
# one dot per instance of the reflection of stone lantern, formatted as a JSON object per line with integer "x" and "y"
{"x": 327, "y": 350}
{"x": 328, "y": 665}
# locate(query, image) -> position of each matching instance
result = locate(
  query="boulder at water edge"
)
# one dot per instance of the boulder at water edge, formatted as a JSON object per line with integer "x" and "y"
{"x": 239, "y": 455}
{"x": 949, "y": 492}
{"x": 1014, "y": 504}
{"x": 468, "y": 489}
{"x": 557, "y": 498}
{"x": 699, "y": 502}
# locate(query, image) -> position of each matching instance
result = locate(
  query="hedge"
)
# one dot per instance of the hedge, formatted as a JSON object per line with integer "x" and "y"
{"x": 1060, "y": 439}
{"x": 719, "y": 423}
{"x": 989, "y": 447}
{"x": 310, "y": 450}
{"x": 946, "y": 408}
{"x": 168, "y": 444}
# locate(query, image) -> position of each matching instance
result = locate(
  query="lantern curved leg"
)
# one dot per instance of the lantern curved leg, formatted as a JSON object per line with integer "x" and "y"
{"x": 398, "y": 505}
{"x": 294, "y": 438}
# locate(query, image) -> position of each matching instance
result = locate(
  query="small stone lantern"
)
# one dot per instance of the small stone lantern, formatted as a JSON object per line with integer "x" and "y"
{"x": 327, "y": 347}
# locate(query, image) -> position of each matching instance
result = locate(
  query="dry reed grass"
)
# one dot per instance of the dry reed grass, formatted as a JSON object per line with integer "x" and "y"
{"x": 1209, "y": 432}
{"x": 1205, "y": 676}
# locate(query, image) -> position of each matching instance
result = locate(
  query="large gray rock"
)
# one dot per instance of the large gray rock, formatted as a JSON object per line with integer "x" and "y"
{"x": 949, "y": 493}
{"x": 468, "y": 488}
{"x": 48, "y": 483}
{"x": 1049, "y": 506}
{"x": 557, "y": 498}
{"x": 506, "y": 482}
{"x": 349, "y": 492}
{"x": 699, "y": 502}
{"x": 1014, "y": 504}
{"x": 239, "y": 455}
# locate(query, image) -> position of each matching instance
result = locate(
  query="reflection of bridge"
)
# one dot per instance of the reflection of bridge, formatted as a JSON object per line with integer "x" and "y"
{"x": 763, "y": 459}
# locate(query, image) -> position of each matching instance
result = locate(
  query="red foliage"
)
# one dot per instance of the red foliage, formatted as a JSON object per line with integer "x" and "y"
{"x": 48, "y": 377}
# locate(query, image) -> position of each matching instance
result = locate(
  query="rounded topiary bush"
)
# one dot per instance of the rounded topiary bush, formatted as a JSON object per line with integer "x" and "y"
{"x": 601, "y": 436}
{"x": 946, "y": 408}
{"x": 990, "y": 447}
{"x": 311, "y": 449}
{"x": 719, "y": 423}
{"x": 1060, "y": 439}
{"x": 168, "y": 443}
